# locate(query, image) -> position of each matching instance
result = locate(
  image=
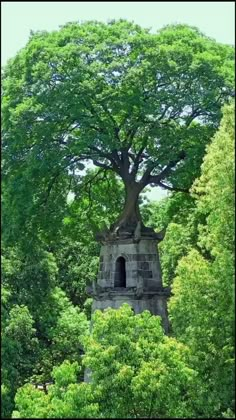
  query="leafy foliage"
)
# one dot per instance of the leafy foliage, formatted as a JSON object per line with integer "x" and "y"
{"x": 141, "y": 107}
{"x": 19, "y": 352}
{"x": 40, "y": 335}
{"x": 178, "y": 216}
{"x": 132, "y": 365}
{"x": 202, "y": 308}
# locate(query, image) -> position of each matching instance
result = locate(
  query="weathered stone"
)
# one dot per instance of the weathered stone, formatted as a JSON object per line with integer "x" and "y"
{"x": 146, "y": 257}
{"x": 145, "y": 274}
{"x": 143, "y": 265}
{"x": 142, "y": 257}
{"x": 135, "y": 266}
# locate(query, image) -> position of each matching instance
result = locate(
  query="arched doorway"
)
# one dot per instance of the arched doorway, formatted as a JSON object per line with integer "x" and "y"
{"x": 120, "y": 273}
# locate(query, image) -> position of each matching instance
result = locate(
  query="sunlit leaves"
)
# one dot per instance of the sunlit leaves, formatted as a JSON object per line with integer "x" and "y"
{"x": 135, "y": 372}
{"x": 202, "y": 307}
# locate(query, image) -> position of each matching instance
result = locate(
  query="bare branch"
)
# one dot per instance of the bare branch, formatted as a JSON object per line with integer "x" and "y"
{"x": 146, "y": 176}
{"x": 89, "y": 184}
{"x": 113, "y": 157}
{"x": 102, "y": 165}
{"x": 195, "y": 113}
{"x": 132, "y": 156}
{"x": 90, "y": 180}
{"x": 137, "y": 159}
{"x": 50, "y": 185}
{"x": 167, "y": 187}
{"x": 155, "y": 179}
{"x": 125, "y": 163}
{"x": 116, "y": 127}
{"x": 163, "y": 113}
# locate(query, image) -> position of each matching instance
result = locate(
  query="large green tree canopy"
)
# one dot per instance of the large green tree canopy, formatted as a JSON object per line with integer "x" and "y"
{"x": 140, "y": 104}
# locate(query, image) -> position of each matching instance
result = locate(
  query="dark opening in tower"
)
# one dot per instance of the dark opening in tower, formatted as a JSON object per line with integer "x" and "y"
{"x": 120, "y": 273}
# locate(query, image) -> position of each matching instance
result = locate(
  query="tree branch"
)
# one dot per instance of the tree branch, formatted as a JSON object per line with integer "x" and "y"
{"x": 125, "y": 163}
{"x": 137, "y": 159}
{"x": 92, "y": 178}
{"x": 167, "y": 187}
{"x": 155, "y": 179}
{"x": 191, "y": 117}
{"x": 112, "y": 157}
{"x": 116, "y": 127}
{"x": 50, "y": 185}
{"x": 102, "y": 165}
{"x": 146, "y": 176}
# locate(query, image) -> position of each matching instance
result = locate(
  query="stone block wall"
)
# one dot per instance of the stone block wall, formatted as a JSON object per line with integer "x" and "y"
{"x": 142, "y": 264}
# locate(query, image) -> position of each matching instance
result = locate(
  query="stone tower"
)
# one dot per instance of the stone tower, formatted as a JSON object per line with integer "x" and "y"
{"x": 130, "y": 272}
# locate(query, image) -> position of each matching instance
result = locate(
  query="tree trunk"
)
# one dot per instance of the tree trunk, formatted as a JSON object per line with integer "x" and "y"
{"x": 130, "y": 215}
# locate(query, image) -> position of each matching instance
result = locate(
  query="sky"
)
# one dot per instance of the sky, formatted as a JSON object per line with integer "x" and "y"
{"x": 215, "y": 19}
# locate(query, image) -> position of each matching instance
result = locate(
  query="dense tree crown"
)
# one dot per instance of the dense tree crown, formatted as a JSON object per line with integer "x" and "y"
{"x": 142, "y": 105}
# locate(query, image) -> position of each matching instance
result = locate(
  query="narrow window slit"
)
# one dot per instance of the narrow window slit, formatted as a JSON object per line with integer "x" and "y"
{"x": 120, "y": 272}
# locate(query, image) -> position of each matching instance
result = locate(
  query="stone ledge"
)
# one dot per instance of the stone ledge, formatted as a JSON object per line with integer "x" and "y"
{"x": 131, "y": 240}
{"x": 130, "y": 233}
{"x": 131, "y": 292}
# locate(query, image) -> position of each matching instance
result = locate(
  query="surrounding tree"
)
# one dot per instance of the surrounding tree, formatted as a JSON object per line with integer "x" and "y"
{"x": 19, "y": 353}
{"x": 202, "y": 308}
{"x": 133, "y": 365}
{"x": 40, "y": 326}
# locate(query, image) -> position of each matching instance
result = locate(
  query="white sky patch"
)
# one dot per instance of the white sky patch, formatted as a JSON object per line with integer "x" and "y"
{"x": 215, "y": 19}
